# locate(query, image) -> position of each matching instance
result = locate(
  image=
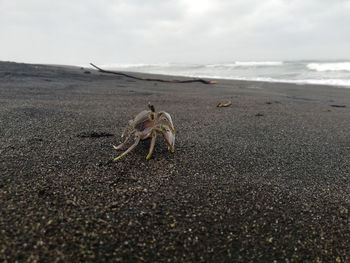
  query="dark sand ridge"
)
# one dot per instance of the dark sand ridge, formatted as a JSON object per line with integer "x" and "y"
{"x": 265, "y": 179}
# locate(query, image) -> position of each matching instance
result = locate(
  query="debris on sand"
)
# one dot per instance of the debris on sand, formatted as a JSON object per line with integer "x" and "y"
{"x": 94, "y": 134}
{"x": 224, "y": 104}
{"x": 338, "y": 106}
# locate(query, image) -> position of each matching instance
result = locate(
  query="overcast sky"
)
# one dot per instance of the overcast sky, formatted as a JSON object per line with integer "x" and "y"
{"x": 153, "y": 31}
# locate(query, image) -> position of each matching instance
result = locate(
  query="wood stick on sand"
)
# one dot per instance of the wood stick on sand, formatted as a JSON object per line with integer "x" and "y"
{"x": 149, "y": 79}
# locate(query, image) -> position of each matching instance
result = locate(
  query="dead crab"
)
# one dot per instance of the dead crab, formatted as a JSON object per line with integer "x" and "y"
{"x": 148, "y": 124}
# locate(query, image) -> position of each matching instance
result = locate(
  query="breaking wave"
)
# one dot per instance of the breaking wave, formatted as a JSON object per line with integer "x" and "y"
{"x": 328, "y": 82}
{"x": 135, "y": 65}
{"x": 336, "y": 66}
{"x": 259, "y": 63}
{"x": 246, "y": 64}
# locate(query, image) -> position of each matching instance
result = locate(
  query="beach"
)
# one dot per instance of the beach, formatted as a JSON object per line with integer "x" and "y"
{"x": 267, "y": 178}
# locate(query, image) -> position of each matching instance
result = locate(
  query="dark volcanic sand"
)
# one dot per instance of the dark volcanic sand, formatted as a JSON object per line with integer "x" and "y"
{"x": 265, "y": 179}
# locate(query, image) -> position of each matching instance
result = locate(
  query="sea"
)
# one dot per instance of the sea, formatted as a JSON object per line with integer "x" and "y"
{"x": 333, "y": 73}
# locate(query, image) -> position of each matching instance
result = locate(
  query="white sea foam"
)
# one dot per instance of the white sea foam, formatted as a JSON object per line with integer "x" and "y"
{"x": 258, "y": 63}
{"x": 223, "y": 65}
{"x": 328, "y": 82}
{"x": 246, "y": 64}
{"x": 135, "y": 65}
{"x": 336, "y": 66}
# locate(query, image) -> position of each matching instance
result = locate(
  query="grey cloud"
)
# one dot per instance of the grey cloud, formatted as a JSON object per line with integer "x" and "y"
{"x": 76, "y": 32}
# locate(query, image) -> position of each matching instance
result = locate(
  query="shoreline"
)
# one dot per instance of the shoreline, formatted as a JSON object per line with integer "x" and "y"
{"x": 265, "y": 179}
{"x": 170, "y": 76}
{"x": 221, "y": 71}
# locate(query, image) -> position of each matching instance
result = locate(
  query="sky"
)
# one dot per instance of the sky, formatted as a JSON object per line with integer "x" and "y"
{"x": 76, "y": 32}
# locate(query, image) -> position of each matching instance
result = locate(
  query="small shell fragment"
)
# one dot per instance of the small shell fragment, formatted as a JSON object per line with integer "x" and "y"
{"x": 224, "y": 104}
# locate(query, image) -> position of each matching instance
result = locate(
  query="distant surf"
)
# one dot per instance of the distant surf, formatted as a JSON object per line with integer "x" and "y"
{"x": 338, "y": 66}
{"x": 333, "y": 73}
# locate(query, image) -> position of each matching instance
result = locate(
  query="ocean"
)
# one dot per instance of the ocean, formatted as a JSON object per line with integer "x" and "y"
{"x": 334, "y": 73}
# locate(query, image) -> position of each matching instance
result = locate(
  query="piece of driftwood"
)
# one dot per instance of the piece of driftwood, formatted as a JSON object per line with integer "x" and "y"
{"x": 224, "y": 104}
{"x": 149, "y": 79}
{"x": 338, "y": 106}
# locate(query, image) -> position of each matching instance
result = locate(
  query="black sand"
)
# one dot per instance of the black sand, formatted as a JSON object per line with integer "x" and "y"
{"x": 265, "y": 179}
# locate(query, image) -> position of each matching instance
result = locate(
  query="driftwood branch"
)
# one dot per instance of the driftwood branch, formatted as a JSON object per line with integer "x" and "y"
{"x": 150, "y": 79}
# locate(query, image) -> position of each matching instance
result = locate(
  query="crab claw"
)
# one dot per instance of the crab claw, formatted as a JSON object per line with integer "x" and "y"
{"x": 166, "y": 116}
{"x": 170, "y": 139}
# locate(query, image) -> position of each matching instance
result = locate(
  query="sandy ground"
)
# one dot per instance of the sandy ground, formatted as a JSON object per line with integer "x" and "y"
{"x": 265, "y": 179}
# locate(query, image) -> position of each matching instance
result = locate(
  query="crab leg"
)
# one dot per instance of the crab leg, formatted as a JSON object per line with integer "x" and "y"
{"x": 128, "y": 150}
{"x": 154, "y": 135}
{"x": 123, "y": 144}
{"x": 127, "y": 127}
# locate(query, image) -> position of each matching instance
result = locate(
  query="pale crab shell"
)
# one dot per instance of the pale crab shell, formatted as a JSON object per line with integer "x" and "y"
{"x": 143, "y": 116}
{"x": 143, "y": 123}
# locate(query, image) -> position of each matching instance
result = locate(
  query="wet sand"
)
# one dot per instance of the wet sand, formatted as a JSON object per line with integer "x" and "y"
{"x": 265, "y": 179}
